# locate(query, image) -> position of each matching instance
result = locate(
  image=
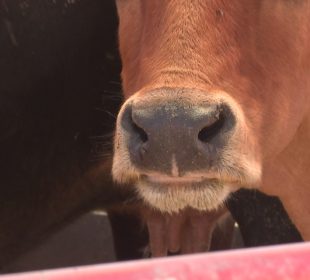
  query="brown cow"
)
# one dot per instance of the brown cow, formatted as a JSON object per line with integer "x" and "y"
{"x": 217, "y": 98}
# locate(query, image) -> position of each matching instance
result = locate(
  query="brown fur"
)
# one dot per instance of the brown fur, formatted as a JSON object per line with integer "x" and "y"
{"x": 256, "y": 56}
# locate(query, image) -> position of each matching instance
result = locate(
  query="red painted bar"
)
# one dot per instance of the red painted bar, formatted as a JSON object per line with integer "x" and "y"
{"x": 285, "y": 262}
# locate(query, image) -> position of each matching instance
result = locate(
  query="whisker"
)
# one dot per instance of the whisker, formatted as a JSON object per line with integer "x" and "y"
{"x": 108, "y": 135}
{"x": 115, "y": 83}
{"x": 106, "y": 111}
{"x": 112, "y": 97}
{"x": 113, "y": 92}
{"x": 100, "y": 157}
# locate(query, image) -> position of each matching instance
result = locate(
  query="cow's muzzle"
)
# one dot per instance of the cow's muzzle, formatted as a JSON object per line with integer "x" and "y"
{"x": 173, "y": 135}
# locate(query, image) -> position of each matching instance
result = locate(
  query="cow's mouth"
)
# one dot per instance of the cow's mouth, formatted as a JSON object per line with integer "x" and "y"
{"x": 183, "y": 152}
{"x": 193, "y": 182}
{"x": 176, "y": 180}
{"x": 174, "y": 194}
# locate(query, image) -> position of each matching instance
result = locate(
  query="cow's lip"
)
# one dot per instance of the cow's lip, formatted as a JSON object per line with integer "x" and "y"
{"x": 167, "y": 181}
{"x": 173, "y": 180}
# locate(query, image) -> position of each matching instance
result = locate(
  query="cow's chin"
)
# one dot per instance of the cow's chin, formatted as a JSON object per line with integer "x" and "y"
{"x": 203, "y": 191}
{"x": 208, "y": 194}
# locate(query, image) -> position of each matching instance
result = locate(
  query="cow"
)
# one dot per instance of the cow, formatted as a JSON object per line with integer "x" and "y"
{"x": 59, "y": 87}
{"x": 217, "y": 98}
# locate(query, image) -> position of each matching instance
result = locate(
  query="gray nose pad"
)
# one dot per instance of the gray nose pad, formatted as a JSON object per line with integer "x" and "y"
{"x": 189, "y": 135}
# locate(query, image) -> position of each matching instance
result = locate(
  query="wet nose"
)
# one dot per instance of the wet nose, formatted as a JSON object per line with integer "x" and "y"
{"x": 189, "y": 136}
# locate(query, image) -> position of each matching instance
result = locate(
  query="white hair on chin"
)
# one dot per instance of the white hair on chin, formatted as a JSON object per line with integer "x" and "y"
{"x": 173, "y": 199}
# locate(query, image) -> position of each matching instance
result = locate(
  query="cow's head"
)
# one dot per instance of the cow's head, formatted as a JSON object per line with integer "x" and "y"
{"x": 213, "y": 89}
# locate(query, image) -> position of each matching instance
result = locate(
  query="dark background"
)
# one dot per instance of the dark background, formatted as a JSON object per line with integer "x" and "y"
{"x": 59, "y": 94}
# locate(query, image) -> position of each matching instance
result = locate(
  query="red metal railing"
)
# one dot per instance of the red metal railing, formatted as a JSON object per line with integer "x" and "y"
{"x": 286, "y": 262}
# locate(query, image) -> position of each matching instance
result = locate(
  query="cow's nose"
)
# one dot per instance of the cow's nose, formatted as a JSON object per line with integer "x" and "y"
{"x": 190, "y": 135}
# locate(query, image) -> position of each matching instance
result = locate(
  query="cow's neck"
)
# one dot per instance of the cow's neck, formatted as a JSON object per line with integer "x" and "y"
{"x": 280, "y": 178}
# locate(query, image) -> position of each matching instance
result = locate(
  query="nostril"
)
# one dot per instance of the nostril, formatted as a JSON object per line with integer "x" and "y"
{"x": 131, "y": 126}
{"x": 213, "y": 128}
{"x": 139, "y": 132}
